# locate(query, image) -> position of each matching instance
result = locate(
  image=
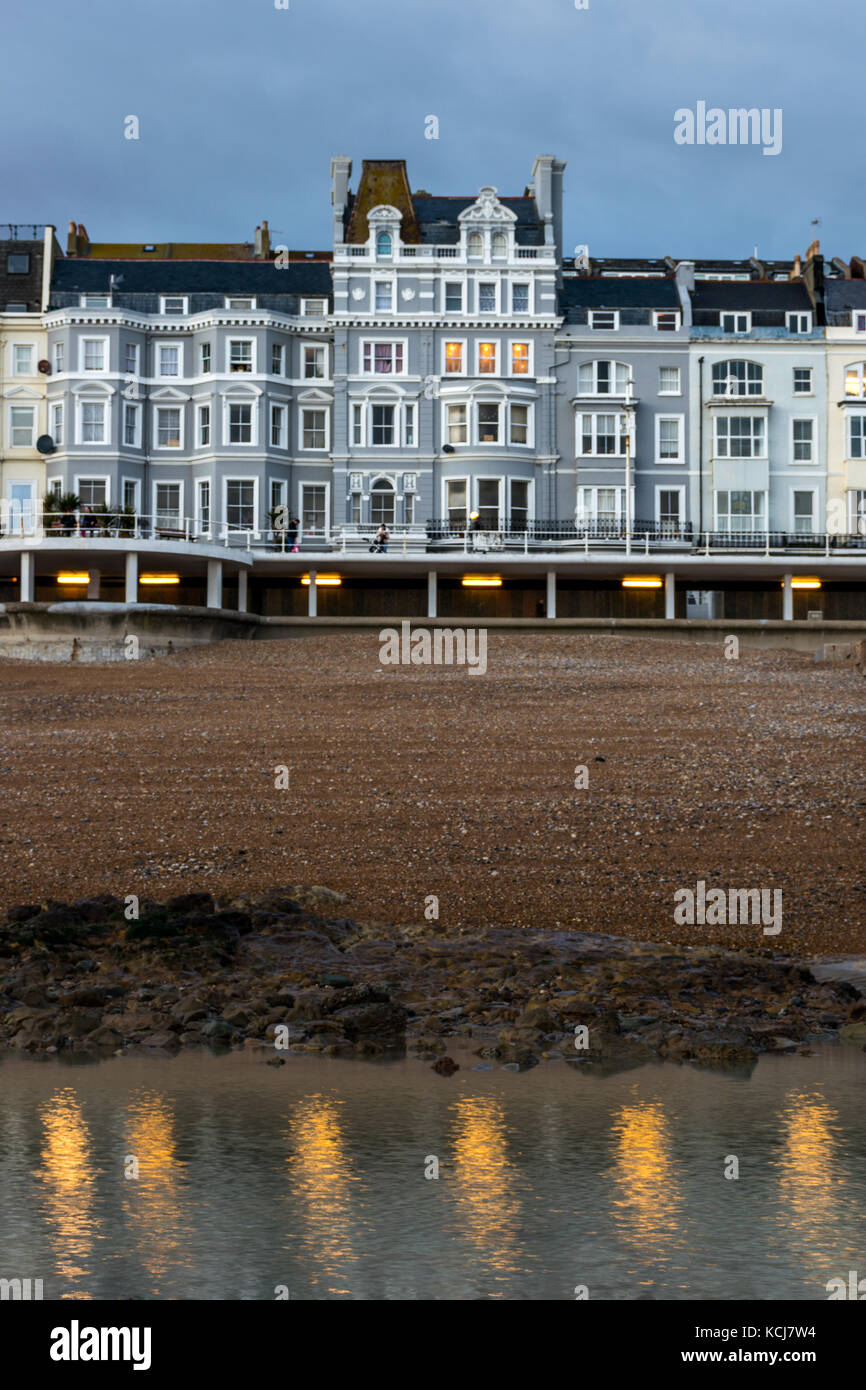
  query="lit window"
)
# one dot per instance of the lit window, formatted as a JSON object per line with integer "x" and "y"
{"x": 855, "y": 377}
{"x": 487, "y": 359}
{"x": 666, "y": 321}
{"x": 454, "y": 358}
{"x": 519, "y": 359}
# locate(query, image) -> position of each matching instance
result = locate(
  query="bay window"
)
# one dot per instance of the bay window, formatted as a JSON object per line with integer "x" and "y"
{"x": 488, "y": 422}
{"x": 518, "y": 424}
{"x": 456, "y": 424}
{"x": 740, "y": 511}
{"x": 739, "y": 436}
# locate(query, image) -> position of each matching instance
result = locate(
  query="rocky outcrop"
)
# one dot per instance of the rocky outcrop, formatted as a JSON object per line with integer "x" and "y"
{"x": 279, "y": 972}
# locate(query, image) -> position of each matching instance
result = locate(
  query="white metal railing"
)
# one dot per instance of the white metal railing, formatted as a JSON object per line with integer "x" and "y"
{"x": 82, "y": 525}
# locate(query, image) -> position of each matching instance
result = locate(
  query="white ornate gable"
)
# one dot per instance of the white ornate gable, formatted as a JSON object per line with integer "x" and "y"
{"x": 384, "y": 213}
{"x": 487, "y": 208}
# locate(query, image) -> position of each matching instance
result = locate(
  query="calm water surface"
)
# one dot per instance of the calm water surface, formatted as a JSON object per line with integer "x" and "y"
{"x": 312, "y": 1176}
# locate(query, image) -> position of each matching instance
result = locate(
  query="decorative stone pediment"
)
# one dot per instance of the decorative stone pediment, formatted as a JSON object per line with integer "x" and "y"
{"x": 314, "y": 397}
{"x": 487, "y": 208}
{"x": 93, "y": 388}
{"x": 169, "y": 394}
{"x": 384, "y": 214}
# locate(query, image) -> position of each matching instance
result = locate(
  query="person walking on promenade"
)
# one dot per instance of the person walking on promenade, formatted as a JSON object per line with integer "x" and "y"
{"x": 292, "y": 534}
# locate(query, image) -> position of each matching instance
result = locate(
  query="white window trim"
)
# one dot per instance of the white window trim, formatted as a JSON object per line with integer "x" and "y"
{"x": 444, "y": 429}
{"x": 409, "y": 408}
{"x": 846, "y": 433}
{"x": 530, "y": 284}
{"x": 359, "y": 406}
{"x": 94, "y": 294}
{"x": 80, "y": 402}
{"x": 80, "y": 478}
{"x": 167, "y": 482}
{"x": 735, "y": 414}
{"x": 804, "y": 463}
{"x": 136, "y": 354}
{"x": 799, "y": 395}
{"x": 681, "y": 429}
{"x": 169, "y": 376}
{"x": 617, "y": 413}
{"x": 241, "y": 478}
{"x": 320, "y": 347}
{"x": 58, "y": 357}
{"x": 530, "y": 365}
{"x": 167, "y": 448}
{"x": 281, "y": 349}
{"x": 106, "y": 360}
{"x": 591, "y": 314}
{"x": 496, "y": 282}
{"x": 659, "y": 313}
{"x": 53, "y": 408}
{"x": 464, "y": 362}
{"x": 753, "y": 516}
{"x": 530, "y": 425}
{"x": 17, "y": 405}
{"x": 250, "y": 303}
{"x": 209, "y": 406}
{"x": 163, "y": 299}
{"x": 310, "y": 405}
{"x": 383, "y": 280}
{"x": 136, "y": 406}
{"x": 499, "y": 402}
{"x": 315, "y": 299}
{"x": 595, "y": 393}
{"x": 735, "y": 314}
{"x": 453, "y": 280}
{"x": 201, "y": 368}
{"x": 31, "y": 347}
{"x": 230, "y": 400}
{"x": 200, "y": 529}
{"x": 671, "y": 367}
{"x": 237, "y": 338}
{"x": 745, "y": 395}
{"x": 594, "y": 489}
{"x": 300, "y": 512}
{"x": 497, "y": 361}
{"x": 136, "y": 483}
{"x": 380, "y": 376}
{"x": 459, "y": 478}
{"x": 791, "y": 503}
{"x": 855, "y": 315}
{"x": 284, "y": 427}
{"x": 798, "y": 314}
{"x": 395, "y": 405}
{"x": 497, "y": 478}
{"x": 670, "y": 487}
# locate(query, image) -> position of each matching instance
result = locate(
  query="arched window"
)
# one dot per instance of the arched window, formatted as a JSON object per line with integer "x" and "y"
{"x": 500, "y": 246}
{"x": 735, "y": 378}
{"x": 382, "y": 502}
{"x": 603, "y": 378}
{"x": 383, "y": 244}
{"x": 476, "y": 244}
{"x": 855, "y": 379}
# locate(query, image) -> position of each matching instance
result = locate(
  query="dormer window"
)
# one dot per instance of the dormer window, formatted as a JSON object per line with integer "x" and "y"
{"x": 500, "y": 246}
{"x": 799, "y": 323}
{"x": 605, "y": 319}
{"x": 858, "y": 323}
{"x": 475, "y": 245}
{"x": 96, "y": 301}
{"x": 240, "y": 303}
{"x": 384, "y": 245}
{"x": 735, "y": 323}
{"x": 173, "y": 304}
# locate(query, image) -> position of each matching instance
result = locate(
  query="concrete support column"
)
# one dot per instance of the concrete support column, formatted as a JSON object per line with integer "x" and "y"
{"x": 242, "y": 591}
{"x": 311, "y": 596}
{"x": 28, "y": 576}
{"x": 432, "y": 593}
{"x": 550, "y": 606}
{"x": 670, "y": 596}
{"x": 214, "y": 583}
{"x": 130, "y": 592}
{"x": 93, "y": 584}
{"x": 787, "y": 599}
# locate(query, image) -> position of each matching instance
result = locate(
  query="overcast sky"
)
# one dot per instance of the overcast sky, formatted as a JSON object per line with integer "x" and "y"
{"x": 242, "y": 105}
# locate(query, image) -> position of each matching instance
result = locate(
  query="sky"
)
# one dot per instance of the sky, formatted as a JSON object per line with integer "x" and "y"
{"x": 241, "y": 106}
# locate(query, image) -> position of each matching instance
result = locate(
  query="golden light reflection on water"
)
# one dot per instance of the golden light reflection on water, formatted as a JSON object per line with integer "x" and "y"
{"x": 322, "y": 1175}
{"x": 810, "y": 1182}
{"x": 648, "y": 1207}
{"x": 485, "y": 1181}
{"x": 68, "y": 1177}
{"x": 151, "y": 1202}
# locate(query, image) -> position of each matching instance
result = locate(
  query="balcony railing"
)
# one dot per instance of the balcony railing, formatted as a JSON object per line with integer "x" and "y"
{"x": 162, "y": 526}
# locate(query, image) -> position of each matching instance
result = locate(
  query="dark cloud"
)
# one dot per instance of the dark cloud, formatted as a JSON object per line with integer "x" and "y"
{"x": 242, "y": 105}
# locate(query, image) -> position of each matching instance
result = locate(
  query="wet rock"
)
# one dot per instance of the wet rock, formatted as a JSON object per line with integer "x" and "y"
{"x": 445, "y": 1066}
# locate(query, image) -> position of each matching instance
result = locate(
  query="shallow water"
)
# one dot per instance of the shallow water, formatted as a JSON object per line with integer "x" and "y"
{"x": 312, "y": 1176}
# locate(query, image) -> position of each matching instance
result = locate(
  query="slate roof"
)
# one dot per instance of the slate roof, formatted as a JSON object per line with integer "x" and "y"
{"x": 840, "y": 297}
{"x": 625, "y": 292}
{"x": 778, "y": 295}
{"x": 212, "y": 279}
{"x": 438, "y": 224}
